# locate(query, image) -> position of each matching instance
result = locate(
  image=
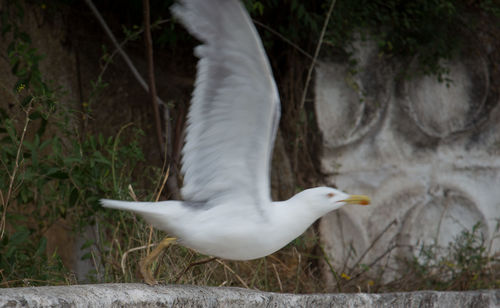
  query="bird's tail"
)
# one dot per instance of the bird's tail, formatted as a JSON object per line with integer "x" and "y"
{"x": 159, "y": 214}
{"x": 137, "y": 207}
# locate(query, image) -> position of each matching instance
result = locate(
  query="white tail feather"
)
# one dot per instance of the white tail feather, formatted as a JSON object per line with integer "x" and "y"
{"x": 159, "y": 214}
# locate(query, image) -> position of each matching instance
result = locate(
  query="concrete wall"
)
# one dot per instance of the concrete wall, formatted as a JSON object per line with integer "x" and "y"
{"x": 141, "y": 295}
{"x": 428, "y": 153}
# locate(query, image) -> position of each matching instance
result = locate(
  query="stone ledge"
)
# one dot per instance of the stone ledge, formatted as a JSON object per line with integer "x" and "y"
{"x": 141, "y": 295}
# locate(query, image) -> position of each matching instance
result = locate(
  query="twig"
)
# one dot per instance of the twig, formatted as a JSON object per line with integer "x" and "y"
{"x": 222, "y": 284}
{"x": 316, "y": 53}
{"x": 233, "y": 272}
{"x": 256, "y": 271}
{"x": 332, "y": 269}
{"x": 150, "y": 237}
{"x": 122, "y": 263}
{"x": 308, "y": 78}
{"x": 113, "y": 154}
{"x": 168, "y": 135}
{"x": 96, "y": 265}
{"x": 156, "y": 200}
{"x": 192, "y": 264}
{"x": 373, "y": 243}
{"x": 441, "y": 218}
{"x": 281, "y": 263}
{"x": 25, "y": 281}
{"x": 302, "y": 51}
{"x": 5, "y": 202}
{"x": 125, "y": 57}
{"x": 160, "y": 182}
{"x": 299, "y": 261}
{"x": 148, "y": 41}
{"x": 131, "y": 193}
{"x": 165, "y": 178}
{"x": 388, "y": 250}
{"x": 122, "y": 44}
{"x": 278, "y": 277}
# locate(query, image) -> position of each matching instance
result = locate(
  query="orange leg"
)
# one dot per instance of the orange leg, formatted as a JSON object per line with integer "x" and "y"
{"x": 146, "y": 262}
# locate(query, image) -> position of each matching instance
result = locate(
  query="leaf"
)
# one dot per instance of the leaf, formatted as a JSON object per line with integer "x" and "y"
{"x": 57, "y": 173}
{"x": 10, "y": 131}
{"x": 43, "y": 126}
{"x": 15, "y": 69}
{"x": 98, "y": 157}
{"x": 6, "y": 29}
{"x": 3, "y": 114}
{"x": 20, "y": 237}
{"x": 25, "y": 194}
{"x": 87, "y": 244}
{"x": 28, "y": 98}
{"x": 45, "y": 144}
{"x": 41, "y": 247}
{"x": 101, "y": 139}
{"x": 35, "y": 115}
{"x": 73, "y": 196}
{"x": 86, "y": 256}
{"x": 68, "y": 161}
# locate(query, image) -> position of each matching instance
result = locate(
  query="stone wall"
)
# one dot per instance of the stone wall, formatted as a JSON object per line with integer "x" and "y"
{"x": 141, "y": 295}
{"x": 427, "y": 152}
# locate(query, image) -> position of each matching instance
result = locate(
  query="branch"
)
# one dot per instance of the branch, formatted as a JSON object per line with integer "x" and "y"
{"x": 151, "y": 75}
{"x": 126, "y": 58}
{"x": 192, "y": 264}
{"x": 6, "y": 200}
{"x": 373, "y": 243}
{"x": 316, "y": 53}
{"x": 302, "y": 51}
{"x": 172, "y": 183}
{"x": 118, "y": 47}
{"x": 308, "y": 79}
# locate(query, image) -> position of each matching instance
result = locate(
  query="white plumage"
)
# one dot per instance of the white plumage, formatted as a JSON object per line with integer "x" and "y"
{"x": 232, "y": 124}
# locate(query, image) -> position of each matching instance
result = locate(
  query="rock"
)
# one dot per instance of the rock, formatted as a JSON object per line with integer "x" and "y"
{"x": 141, "y": 295}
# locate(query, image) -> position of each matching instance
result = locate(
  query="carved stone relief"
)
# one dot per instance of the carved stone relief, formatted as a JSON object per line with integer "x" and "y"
{"x": 427, "y": 152}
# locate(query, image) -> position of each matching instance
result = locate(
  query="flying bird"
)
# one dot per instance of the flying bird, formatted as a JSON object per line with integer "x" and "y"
{"x": 227, "y": 210}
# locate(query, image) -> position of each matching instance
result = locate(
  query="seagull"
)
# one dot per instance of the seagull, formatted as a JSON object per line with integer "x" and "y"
{"x": 227, "y": 211}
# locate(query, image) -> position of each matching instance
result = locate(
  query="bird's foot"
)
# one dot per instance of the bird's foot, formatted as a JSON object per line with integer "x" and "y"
{"x": 146, "y": 262}
{"x": 146, "y": 274}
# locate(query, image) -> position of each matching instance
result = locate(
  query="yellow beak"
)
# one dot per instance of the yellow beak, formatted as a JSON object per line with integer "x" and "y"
{"x": 357, "y": 199}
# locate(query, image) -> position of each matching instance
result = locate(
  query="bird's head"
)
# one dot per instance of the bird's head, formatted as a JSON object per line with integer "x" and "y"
{"x": 326, "y": 199}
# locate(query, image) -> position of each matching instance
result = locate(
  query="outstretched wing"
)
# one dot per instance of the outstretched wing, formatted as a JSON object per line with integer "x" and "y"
{"x": 234, "y": 110}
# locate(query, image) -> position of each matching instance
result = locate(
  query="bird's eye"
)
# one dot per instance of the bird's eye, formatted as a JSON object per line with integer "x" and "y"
{"x": 331, "y": 195}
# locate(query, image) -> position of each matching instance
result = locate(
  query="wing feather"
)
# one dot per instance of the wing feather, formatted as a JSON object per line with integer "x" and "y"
{"x": 234, "y": 111}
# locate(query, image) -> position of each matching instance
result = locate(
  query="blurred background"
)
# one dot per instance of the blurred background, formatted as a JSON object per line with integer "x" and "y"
{"x": 394, "y": 99}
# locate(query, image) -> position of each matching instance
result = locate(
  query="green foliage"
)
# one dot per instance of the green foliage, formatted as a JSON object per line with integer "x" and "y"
{"x": 23, "y": 260}
{"x": 431, "y": 30}
{"x": 299, "y": 21}
{"x": 48, "y": 171}
{"x": 463, "y": 265}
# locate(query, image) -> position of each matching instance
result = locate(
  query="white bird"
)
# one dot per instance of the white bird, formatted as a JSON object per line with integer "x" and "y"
{"x": 232, "y": 124}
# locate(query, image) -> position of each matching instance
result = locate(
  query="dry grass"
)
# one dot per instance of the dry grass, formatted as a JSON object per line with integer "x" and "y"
{"x": 464, "y": 265}
{"x": 123, "y": 244}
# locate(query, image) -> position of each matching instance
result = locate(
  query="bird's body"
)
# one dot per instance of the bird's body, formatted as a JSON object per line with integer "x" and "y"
{"x": 232, "y": 124}
{"x": 229, "y": 231}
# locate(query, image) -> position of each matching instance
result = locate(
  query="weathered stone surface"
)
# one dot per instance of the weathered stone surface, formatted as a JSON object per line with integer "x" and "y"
{"x": 141, "y": 295}
{"x": 426, "y": 152}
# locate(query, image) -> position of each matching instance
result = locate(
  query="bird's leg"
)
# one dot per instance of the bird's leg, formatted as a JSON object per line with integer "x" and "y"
{"x": 146, "y": 262}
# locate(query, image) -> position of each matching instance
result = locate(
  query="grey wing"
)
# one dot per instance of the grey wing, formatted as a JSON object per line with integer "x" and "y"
{"x": 234, "y": 110}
